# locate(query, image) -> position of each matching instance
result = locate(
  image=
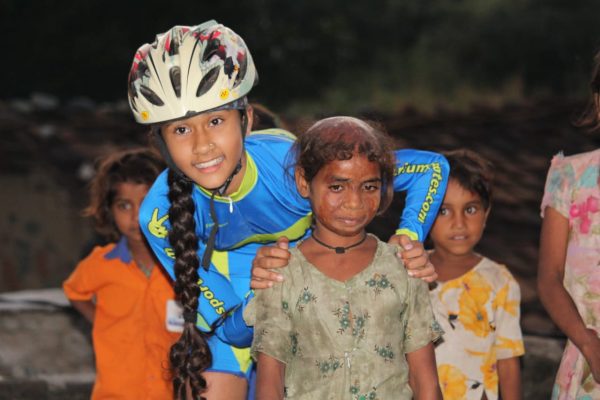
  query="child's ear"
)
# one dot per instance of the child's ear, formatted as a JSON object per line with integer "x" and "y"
{"x": 301, "y": 183}
{"x": 250, "y": 118}
{"x": 487, "y": 214}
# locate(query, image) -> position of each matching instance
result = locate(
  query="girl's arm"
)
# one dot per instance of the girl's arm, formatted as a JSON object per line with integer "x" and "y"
{"x": 554, "y": 296}
{"x": 87, "y": 308}
{"x": 509, "y": 376}
{"x": 422, "y": 374}
{"x": 217, "y": 297}
{"x": 424, "y": 176}
{"x": 270, "y": 374}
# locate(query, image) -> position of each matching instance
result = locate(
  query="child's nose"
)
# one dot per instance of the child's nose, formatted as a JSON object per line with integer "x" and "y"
{"x": 458, "y": 221}
{"x": 202, "y": 144}
{"x": 354, "y": 199}
{"x": 135, "y": 214}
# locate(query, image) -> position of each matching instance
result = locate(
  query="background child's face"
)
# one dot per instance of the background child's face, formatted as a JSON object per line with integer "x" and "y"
{"x": 125, "y": 209}
{"x": 460, "y": 221}
{"x": 206, "y": 147}
{"x": 344, "y": 195}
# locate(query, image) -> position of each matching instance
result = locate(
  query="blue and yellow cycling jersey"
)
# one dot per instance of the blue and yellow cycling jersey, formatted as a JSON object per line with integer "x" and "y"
{"x": 265, "y": 207}
{"x": 267, "y": 204}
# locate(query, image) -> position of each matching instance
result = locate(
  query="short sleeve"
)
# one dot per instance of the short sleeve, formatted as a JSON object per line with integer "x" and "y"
{"x": 80, "y": 286}
{"x": 509, "y": 339}
{"x": 269, "y": 312}
{"x": 421, "y": 328}
{"x": 559, "y": 183}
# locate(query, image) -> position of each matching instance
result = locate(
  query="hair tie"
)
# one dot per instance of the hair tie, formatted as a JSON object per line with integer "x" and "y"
{"x": 189, "y": 316}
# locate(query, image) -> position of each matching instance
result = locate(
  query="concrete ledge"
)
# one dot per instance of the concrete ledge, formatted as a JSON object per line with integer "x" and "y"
{"x": 41, "y": 390}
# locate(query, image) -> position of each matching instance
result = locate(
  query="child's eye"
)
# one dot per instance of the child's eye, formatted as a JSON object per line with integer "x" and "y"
{"x": 371, "y": 187}
{"x": 471, "y": 210}
{"x": 181, "y": 130}
{"x": 443, "y": 211}
{"x": 124, "y": 205}
{"x": 215, "y": 121}
{"x": 335, "y": 188}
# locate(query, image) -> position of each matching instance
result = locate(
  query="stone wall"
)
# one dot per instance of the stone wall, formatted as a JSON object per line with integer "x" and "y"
{"x": 41, "y": 232}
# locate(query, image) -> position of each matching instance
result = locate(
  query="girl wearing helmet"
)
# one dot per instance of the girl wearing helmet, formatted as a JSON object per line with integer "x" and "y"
{"x": 225, "y": 193}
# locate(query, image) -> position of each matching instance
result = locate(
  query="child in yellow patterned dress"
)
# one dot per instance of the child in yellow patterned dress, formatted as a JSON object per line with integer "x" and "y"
{"x": 476, "y": 301}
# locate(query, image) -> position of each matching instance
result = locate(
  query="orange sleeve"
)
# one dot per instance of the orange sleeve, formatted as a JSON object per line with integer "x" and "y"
{"x": 83, "y": 283}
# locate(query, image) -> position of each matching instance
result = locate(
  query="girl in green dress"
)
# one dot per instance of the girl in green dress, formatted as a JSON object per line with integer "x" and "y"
{"x": 347, "y": 322}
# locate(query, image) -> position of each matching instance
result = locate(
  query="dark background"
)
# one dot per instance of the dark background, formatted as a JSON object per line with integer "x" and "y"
{"x": 343, "y": 55}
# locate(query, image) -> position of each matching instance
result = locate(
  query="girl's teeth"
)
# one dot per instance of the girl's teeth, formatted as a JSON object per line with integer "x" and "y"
{"x": 210, "y": 163}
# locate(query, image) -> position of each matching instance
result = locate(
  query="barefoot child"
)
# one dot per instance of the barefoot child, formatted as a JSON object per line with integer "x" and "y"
{"x": 347, "y": 322}
{"x": 476, "y": 300}
{"x": 121, "y": 289}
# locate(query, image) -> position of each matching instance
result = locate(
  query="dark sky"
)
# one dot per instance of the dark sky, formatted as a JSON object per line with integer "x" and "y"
{"x": 85, "y": 48}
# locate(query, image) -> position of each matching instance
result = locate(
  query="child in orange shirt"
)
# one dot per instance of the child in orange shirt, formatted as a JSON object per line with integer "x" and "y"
{"x": 121, "y": 289}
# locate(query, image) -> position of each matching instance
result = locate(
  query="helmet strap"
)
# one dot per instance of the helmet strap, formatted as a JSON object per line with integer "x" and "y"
{"x": 210, "y": 243}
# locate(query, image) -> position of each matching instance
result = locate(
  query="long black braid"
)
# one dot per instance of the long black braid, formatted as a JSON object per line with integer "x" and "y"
{"x": 190, "y": 355}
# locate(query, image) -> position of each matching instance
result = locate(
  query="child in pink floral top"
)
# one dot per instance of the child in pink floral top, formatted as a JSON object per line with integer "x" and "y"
{"x": 569, "y": 264}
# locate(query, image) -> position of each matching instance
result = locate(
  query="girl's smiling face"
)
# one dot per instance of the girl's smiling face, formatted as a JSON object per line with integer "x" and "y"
{"x": 345, "y": 197}
{"x": 207, "y": 147}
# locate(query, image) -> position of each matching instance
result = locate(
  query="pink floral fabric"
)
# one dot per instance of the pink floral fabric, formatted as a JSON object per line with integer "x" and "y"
{"x": 572, "y": 188}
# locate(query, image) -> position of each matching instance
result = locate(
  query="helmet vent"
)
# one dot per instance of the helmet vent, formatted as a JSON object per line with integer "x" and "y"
{"x": 228, "y": 67}
{"x": 174, "y": 47}
{"x": 242, "y": 72}
{"x": 151, "y": 96}
{"x": 208, "y": 81}
{"x": 175, "y": 76}
{"x": 212, "y": 49}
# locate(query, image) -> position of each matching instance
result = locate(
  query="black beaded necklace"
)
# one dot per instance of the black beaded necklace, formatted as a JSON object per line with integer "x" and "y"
{"x": 340, "y": 249}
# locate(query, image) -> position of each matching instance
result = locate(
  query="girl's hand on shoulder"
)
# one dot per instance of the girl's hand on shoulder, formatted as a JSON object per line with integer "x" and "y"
{"x": 415, "y": 258}
{"x": 266, "y": 259}
{"x": 591, "y": 352}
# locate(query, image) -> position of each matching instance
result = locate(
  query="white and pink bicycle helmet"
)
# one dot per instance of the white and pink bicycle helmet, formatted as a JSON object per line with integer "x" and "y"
{"x": 189, "y": 70}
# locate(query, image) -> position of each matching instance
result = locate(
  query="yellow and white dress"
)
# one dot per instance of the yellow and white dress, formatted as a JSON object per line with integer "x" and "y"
{"x": 479, "y": 312}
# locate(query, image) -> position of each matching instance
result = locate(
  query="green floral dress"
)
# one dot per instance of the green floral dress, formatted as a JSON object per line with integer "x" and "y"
{"x": 344, "y": 340}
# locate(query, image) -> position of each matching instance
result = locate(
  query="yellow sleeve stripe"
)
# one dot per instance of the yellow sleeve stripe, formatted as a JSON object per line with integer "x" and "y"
{"x": 412, "y": 235}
